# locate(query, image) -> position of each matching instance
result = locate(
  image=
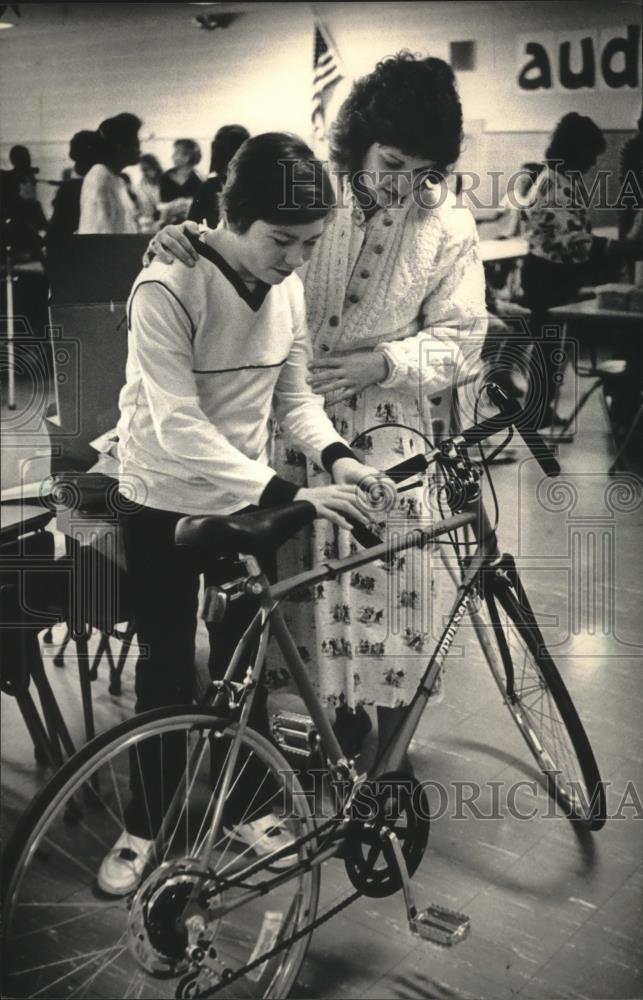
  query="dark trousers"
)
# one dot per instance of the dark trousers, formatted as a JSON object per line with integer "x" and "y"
{"x": 164, "y": 581}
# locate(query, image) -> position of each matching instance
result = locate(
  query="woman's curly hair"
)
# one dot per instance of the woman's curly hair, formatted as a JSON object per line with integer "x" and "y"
{"x": 406, "y": 102}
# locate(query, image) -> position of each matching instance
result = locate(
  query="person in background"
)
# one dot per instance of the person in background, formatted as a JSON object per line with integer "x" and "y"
{"x": 84, "y": 148}
{"x": 19, "y": 191}
{"x": 632, "y": 169}
{"x": 181, "y": 183}
{"x": 22, "y": 172}
{"x": 630, "y": 220}
{"x": 194, "y": 438}
{"x": 105, "y": 202}
{"x": 23, "y": 221}
{"x": 563, "y": 254}
{"x": 205, "y": 206}
{"x": 148, "y": 191}
{"x": 393, "y": 288}
{"x": 513, "y": 204}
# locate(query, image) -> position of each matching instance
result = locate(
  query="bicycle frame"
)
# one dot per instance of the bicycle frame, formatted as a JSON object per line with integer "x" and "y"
{"x": 269, "y": 612}
{"x": 485, "y": 558}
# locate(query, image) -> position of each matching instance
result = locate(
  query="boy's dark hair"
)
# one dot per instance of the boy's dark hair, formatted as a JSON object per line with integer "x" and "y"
{"x": 406, "y": 102}
{"x": 275, "y": 177}
{"x": 191, "y": 149}
{"x": 224, "y": 145}
{"x": 575, "y": 138}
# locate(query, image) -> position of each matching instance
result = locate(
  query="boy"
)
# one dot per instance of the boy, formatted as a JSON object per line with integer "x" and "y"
{"x": 214, "y": 350}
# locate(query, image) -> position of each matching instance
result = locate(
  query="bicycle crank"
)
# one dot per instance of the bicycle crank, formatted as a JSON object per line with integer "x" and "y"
{"x": 391, "y": 804}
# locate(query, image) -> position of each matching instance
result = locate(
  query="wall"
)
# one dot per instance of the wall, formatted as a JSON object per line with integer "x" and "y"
{"x": 68, "y": 66}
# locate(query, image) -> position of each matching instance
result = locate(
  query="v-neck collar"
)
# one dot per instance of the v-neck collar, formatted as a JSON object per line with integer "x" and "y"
{"x": 255, "y": 298}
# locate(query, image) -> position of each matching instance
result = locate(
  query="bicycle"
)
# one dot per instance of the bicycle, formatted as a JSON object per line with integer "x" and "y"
{"x": 208, "y": 917}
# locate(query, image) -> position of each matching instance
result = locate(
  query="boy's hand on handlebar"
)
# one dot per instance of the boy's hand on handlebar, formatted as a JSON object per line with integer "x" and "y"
{"x": 339, "y": 504}
{"x": 171, "y": 243}
{"x": 376, "y": 491}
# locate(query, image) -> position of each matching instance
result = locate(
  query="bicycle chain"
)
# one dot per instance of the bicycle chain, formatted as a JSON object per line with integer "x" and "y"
{"x": 229, "y": 977}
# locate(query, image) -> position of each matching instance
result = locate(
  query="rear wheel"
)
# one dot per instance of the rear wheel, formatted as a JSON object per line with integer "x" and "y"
{"x": 64, "y": 938}
{"x": 543, "y": 710}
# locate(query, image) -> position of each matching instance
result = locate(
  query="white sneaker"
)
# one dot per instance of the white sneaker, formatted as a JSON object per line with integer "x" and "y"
{"x": 265, "y": 836}
{"x": 123, "y": 867}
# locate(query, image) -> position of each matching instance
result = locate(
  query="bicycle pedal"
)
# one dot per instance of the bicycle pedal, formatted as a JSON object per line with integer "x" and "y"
{"x": 295, "y": 734}
{"x": 440, "y": 925}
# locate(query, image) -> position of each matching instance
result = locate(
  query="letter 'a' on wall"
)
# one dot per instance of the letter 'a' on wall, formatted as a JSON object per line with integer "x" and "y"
{"x": 568, "y": 61}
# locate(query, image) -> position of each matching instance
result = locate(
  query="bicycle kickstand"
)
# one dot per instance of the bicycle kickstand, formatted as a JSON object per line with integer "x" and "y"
{"x": 435, "y": 923}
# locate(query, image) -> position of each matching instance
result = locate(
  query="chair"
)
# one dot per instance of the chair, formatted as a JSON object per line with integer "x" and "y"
{"x": 90, "y": 278}
{"x": 30, "y": 589}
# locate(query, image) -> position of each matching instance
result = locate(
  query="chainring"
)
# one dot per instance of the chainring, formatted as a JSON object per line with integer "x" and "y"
{"x": 394, "y": 801}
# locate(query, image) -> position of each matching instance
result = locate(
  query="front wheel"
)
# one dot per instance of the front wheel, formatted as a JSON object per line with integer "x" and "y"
{"x": 541, "y": 706}
{"x": 64, "y": 938}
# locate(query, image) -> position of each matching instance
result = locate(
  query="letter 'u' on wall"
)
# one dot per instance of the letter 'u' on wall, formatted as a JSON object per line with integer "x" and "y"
{"x": 571, "y": 60}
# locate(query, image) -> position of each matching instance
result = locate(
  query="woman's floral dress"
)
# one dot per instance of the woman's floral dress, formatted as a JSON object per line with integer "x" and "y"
{"x": 367, "y": 636}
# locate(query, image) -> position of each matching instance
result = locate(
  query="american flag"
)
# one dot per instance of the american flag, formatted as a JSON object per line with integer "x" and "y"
{"x": 326, "y": 72}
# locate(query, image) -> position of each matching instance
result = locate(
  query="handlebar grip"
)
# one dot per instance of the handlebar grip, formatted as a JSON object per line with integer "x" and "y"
{"x": 409, "y": 467}
{"x": 543, "y": 454}
{"x": 367, "y": 539}
{"x": 512, "y": 411}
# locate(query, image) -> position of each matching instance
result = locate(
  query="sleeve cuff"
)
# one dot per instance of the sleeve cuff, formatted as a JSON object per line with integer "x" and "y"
{"x": 277, "y": 491}
{"x": 389, "y": 380}
{"x": 332, "y": 452}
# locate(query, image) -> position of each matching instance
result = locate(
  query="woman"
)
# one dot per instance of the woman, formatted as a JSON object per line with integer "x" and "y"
{"x": 106, "y": 205}
{"x": 181, "y": 183}
{"x": 562, "y": 249}
{"x": 148, "y": 191}
{"x": 205, "y": 207}
{"x": 393, "y": 285}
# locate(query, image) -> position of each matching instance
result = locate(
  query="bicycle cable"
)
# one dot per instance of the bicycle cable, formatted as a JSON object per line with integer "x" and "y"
{"x": 485, "y": 461}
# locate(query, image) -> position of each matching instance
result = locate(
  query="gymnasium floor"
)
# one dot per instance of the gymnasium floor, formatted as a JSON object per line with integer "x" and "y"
{"x": 555, "y": 912}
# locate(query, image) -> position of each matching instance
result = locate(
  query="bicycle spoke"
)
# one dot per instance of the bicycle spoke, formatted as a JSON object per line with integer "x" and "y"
{"x": 90, "y": 956}
{"x": 75, "y": 945}
{"x": 150, "y": 825}
{"x": 60, "y": 923}
{"x": 203, "y": 828}
{"x": 546, "y": 717}
{"x": 81, "y": 989}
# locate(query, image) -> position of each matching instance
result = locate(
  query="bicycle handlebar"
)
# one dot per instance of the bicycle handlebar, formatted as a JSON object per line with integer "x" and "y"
{"x": 512, "y": 410}
{"x": 511, "y": 414}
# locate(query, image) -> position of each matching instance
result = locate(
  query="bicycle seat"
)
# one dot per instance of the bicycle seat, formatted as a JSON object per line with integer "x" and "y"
{"x": 255, "y": 533}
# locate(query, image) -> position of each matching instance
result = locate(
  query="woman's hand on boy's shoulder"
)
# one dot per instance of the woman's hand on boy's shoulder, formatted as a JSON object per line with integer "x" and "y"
{"x": 171, "y": 243}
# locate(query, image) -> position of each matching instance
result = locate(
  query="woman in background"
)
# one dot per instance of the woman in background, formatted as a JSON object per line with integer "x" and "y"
{"x": 395, "y": 284}
{"x": 563, "y": 254}
{"x": 105, "y": 203}
{"x": 181, "y": 183}
{"x": 205, "y": 206}
{"x": 148, "y": 191}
